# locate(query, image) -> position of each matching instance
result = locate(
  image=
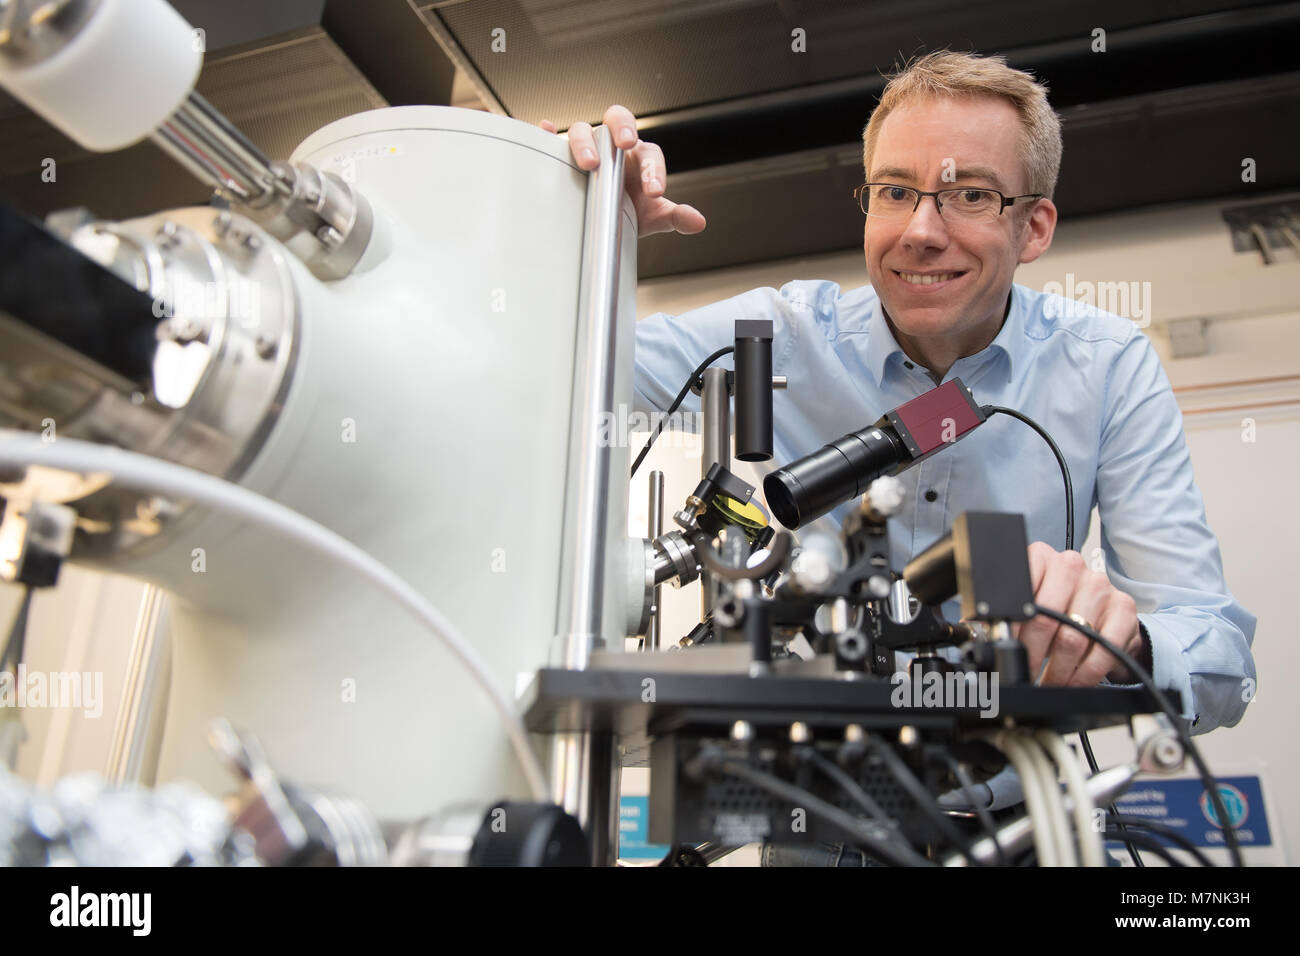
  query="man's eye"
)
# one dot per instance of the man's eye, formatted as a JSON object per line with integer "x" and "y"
{"x": 974, "y": 197}
{"x": 894, "y": 193}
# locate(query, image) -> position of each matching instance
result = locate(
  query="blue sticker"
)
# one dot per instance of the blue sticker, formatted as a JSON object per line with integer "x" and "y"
{"x": 1185, "y": 806}
{"x": 633, "y": 831}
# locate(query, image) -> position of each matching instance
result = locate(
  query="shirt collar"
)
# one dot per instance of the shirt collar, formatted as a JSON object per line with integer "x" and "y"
{"x": 881, "y": 343}
{"x": 1010, "y": 340}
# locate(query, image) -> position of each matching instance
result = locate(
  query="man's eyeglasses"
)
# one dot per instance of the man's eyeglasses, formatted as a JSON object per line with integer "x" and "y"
{"x": 964, "y": 204}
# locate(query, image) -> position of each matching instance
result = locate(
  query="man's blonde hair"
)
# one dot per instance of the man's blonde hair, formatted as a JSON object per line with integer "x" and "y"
{"x": 945, "y": 73}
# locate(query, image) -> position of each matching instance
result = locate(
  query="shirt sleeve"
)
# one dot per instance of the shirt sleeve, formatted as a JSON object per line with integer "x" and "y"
{"x": 668, "y": 348}
{"x": 1159, "y": 548}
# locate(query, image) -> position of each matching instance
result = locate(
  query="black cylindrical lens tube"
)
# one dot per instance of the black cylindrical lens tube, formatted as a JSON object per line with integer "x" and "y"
{"x": 753, "y": 398}
{"x": 757, "y": 628}
{"x": 812, "y": 486}
{"x": 931, "y": 576}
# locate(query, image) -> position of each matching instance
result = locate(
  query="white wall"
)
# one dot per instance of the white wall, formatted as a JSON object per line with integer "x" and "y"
{"x": 84, "y": 625}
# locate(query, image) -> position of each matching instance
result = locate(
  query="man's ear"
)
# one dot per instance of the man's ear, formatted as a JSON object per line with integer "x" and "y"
{"x": 1038, "y": 230}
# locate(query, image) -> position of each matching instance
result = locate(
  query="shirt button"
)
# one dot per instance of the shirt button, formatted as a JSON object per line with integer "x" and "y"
{"x": 908, "y": 365}
{"x": 931, "y": 495}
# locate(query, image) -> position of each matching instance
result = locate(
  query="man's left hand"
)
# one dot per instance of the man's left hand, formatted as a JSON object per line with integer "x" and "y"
{"x": 1063, "y": 582}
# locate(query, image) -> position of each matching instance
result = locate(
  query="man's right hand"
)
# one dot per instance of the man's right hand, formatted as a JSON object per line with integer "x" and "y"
{"x": 645, "y": 174}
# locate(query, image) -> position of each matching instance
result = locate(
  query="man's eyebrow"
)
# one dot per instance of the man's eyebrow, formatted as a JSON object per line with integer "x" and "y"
{"x": 892, "y": 172}
{"x": 981, "y": 172}
{"x": 967, "y": 172}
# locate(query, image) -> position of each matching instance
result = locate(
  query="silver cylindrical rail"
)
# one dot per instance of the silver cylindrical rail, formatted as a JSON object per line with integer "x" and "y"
{"x": 319, "y": 217}
{"x": 202, "y": 140}
{"x": 655, "y": 528}
{"x": 715, "y": 402}
{"x": 582, "y": 773}
{"x": 585, "y": 544}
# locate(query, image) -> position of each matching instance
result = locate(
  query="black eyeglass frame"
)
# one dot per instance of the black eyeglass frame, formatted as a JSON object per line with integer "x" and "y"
{"x": 859, "y": 194}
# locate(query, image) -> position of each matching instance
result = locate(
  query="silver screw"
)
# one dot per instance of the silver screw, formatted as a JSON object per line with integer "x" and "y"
{"x": 186, "y": 330}
{"x": 168, "y": 234}
{"x": 1168, "y": 752}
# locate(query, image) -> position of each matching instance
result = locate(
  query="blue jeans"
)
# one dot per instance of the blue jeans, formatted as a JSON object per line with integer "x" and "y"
{"x": 814, "y": 854}
{"x": 835, "y": 854}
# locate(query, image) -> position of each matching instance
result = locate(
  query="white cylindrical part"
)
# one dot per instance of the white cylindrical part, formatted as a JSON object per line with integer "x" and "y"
{"x": 427, "y": 422}
{"x": 124, "y": 72}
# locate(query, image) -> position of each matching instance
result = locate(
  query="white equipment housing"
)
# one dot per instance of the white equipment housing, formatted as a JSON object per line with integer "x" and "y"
{"x": 428, "y": 421}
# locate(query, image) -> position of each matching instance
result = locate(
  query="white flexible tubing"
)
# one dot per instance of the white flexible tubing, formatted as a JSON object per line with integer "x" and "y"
{"x": 1055, "y": 800}
{"x": 18, "y": 449}
{"x": 1035, "y": 800}
{"x": 1091, "y": 851}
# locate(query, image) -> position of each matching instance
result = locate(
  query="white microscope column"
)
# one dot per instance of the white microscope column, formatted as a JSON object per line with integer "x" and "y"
{"x": 428, "y": 422}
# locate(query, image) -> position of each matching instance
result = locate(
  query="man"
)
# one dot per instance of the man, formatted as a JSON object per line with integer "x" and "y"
{"x": 963, "y": 155}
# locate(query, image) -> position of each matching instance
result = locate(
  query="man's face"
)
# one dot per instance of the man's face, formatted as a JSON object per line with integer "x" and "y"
{"x": 976, "y": 139}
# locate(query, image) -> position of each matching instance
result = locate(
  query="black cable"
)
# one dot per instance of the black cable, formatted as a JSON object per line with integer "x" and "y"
{"x": 985, "y": 817}
{"x": 681, "y": 397}
{"x": 1060, "y": 460}
{"x": 885, "y": 849}
{"x": 851, "y": 787}
{"x": 1134, "y": 855}
{"x": 1148, "y": 843}
{"x": 12, "y": 655}
{"x": 1207, "y": 778}
{"x": 1069, "y": 546}
{"x": 1159, "y": 829}
{"x": 922, "y": 797}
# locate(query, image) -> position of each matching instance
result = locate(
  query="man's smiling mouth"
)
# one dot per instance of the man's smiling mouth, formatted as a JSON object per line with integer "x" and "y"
{"x": 927, "y": 278}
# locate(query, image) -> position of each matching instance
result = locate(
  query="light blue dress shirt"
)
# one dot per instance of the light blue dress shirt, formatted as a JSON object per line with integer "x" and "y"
{"x": 1091, "y": 379}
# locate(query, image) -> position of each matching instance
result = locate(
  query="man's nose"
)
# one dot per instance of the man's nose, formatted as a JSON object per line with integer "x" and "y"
{"x": 925, "y": 227}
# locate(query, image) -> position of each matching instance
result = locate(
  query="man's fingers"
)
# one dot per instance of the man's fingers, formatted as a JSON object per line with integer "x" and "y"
{"x": 1040, "y": 555}
{"x": 1069, "y": 649}
{"x": 1054, "y": 590}
{"x": 622, "y": 126}
{"x": 1116, "y": 622}
{"x": 688, "y": 220}
{"x": 647, "y": 168}
{"x": 662, "y": 215}
{"x": 1062, "y": 581}
{"x": 1089, "y": 603}
{"x": 582, "y": 144}
{"x": 646, "y": 173}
